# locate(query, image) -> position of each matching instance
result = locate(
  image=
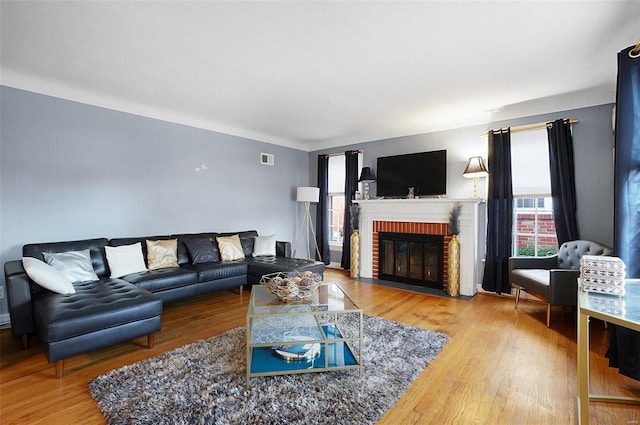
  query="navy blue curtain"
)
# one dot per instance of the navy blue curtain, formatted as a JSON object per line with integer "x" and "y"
{"x": 627, "y": 164}
{"x": 624, "y": 347}
{"x": 499, "y": 213}
{"x": 322, "y": 212}
{"x": 563, "y": 181}
{"x": 350, "y": 188}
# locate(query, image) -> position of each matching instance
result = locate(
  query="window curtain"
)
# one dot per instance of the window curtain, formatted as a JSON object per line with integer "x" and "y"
{"x": 624, "y": 347}
{"x": 563, "y": 181}
{"x": 627, "y": 163}
{"x": 350, "y": 187}
{"x": 322, "y": 212}
{"x": 499, "y": 213}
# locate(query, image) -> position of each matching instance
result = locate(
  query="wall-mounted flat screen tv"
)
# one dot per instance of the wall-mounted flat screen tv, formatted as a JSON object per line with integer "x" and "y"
{"x": 426, "y": 172}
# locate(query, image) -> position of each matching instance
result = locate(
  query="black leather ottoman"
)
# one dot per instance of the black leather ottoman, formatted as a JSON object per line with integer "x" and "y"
{"x": 98, "y": 315}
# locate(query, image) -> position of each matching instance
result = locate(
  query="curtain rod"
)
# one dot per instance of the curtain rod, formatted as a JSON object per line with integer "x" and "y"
{"x": 339, "y": 153}
{"x": 635, "y": 52}
{"x": 529, "y": 127}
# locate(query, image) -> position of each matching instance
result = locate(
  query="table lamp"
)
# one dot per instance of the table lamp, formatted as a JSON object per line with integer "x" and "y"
{"x": 475, "y": 169}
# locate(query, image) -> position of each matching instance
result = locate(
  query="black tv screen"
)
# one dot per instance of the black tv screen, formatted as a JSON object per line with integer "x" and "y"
{"x": 426, "y": 172}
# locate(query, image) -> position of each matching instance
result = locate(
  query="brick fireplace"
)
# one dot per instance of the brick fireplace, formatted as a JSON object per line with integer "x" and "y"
{"x": 414, "y": 228}
{"x": 425, "y": 216}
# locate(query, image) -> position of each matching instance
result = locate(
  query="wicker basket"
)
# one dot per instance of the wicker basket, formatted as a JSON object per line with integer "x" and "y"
{"x": 292, "y": 286}
{"x": 602, "y": 274}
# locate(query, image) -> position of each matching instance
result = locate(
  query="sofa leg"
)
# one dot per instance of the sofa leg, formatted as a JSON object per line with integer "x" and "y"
{"x": 150, "y": 341}
{"x": 59, "y": 368}
{"x": 548, "y": 314}
{"x": 517, "y": 296}
{"x": 241, "y": 286}
{"x": 24, "y": 342}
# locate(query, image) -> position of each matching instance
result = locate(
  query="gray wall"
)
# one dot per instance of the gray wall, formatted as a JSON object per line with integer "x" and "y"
{"x": 72, "y": 171}
{"x": 593, "y": 151}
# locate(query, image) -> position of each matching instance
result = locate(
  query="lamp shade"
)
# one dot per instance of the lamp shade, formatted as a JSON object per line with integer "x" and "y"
{"x": 308, "y": 194}
{"x": 475, "y": 168}
{"x": 367, "y": 175}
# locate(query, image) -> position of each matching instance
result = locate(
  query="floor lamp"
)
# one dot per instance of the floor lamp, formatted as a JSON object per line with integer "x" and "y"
{"x": 307, "y": 195}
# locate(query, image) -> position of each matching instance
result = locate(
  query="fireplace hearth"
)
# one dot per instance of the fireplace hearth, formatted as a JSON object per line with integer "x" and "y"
{"x": 412, "y": 258}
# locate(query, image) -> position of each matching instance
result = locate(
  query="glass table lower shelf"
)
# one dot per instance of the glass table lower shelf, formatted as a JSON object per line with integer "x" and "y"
{"x": 333, "y": 355}
{"x": 319, "y": 322}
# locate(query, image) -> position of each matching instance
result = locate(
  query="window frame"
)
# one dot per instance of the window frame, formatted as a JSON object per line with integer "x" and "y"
{"x": 331, "y": 210}
{"x": 537, "y": 211}
{"x": 336, "y": 244}
{"x": 533, "y": 217}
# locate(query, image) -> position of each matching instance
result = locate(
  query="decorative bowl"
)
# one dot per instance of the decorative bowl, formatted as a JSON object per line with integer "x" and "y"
{"x": 292, "y": 286}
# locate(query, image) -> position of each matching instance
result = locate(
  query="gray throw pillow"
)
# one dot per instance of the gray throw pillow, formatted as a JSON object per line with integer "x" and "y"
{"x": 75, "y": 265}
{"x": 201, "y": 250}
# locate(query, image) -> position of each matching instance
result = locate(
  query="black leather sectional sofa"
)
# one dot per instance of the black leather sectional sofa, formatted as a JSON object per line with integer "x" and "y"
{"x": 113, "y": 310}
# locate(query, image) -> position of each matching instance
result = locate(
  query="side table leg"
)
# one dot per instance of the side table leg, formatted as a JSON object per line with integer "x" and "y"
{"x": 583, "y": 368}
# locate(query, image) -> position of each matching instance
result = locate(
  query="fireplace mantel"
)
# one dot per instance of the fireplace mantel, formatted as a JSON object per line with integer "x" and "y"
{"x": 471, "y": 237}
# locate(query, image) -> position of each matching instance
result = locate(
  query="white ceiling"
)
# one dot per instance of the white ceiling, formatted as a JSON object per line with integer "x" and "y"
{"x": 314, "y": 75}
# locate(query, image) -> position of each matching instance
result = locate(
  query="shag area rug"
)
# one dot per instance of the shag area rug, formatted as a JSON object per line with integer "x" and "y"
{"x": 205, "y": 383}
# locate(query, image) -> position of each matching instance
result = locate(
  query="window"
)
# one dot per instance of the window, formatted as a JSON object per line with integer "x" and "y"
{"x": 535, "y": 233}
{"x": 524, "y": 203}
{"x": 534, "y": 229}
{"x": 336, "y": 199}
{"x": 336, "y": 214}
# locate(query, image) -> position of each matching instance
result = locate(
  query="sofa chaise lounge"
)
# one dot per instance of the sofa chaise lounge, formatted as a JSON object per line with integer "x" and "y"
{"x": 111, "y": 310}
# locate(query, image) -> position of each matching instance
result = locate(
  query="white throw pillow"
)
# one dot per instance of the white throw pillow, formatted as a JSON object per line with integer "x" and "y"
{"x": 75, "y": 265}
{"x": 125, "y": 259}
{"x": 46, "y": 276}
{"x": 264, "y": 246}
{"x": 230, "y": 248}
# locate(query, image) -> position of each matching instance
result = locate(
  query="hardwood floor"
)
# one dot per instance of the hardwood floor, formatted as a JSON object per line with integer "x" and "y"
{"x": 501, "y": 366}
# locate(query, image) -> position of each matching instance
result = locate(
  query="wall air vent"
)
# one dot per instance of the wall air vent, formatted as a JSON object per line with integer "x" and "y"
{"x": 266, "y": 158}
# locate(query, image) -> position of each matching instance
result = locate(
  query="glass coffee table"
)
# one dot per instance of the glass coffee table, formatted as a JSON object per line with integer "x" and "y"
{"x": 317, "y": 334}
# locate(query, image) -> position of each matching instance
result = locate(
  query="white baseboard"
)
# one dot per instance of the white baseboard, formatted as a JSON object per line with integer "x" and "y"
{"x": 333, "y": 265}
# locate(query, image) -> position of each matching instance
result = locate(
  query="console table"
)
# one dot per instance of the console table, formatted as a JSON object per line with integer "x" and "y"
{"x": 625, "y": 312}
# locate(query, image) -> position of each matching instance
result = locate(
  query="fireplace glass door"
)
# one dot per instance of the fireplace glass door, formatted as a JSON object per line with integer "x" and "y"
{"x": 411, "y": 258}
